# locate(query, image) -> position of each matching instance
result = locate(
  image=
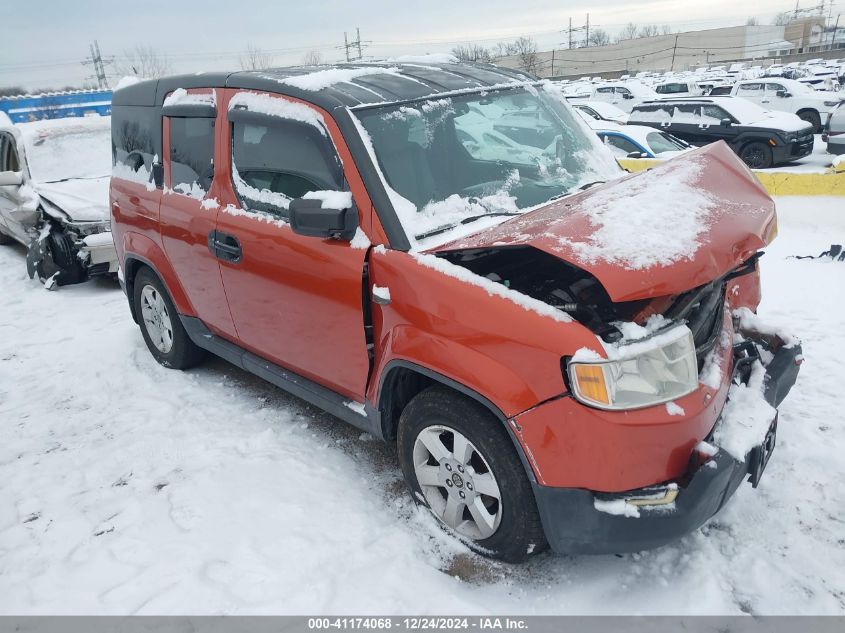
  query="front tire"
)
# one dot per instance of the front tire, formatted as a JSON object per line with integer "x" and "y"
{"x": 757, "y": 155}
{"x": 460, "y": 463}
{"x": 160, "y": 324}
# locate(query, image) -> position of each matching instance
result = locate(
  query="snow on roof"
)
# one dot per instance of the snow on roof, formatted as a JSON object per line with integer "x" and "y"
{"x": 127, "y": 81}
{"x": 180, "y": 96}
{"x": 278, "y": 106}
{"x": 431, "y": 58}
{"x": 325, "y": 78}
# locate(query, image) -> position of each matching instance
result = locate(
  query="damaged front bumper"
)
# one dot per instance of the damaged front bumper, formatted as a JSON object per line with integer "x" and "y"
{"x": 586, "y": 522}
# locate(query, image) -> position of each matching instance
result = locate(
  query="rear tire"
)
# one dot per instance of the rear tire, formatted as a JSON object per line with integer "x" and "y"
{"x": 160, "y": 324}
{"x": 757, "y": 155}
{"x": 496, "y": 515}
{"x": 812, "y": 117}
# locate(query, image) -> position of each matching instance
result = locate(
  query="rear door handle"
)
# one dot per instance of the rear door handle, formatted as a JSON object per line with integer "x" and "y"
{"x": 224, "y": 246}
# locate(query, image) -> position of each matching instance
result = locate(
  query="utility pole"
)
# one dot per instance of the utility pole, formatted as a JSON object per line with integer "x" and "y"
{"x": 587, "y": 42}
{"x": 835, "y": 31}
{"x": 674, "y": 49}
{"x": 99, "y": 64}
{"x": 570, "y": 32}
{"x": 356, "y": 45}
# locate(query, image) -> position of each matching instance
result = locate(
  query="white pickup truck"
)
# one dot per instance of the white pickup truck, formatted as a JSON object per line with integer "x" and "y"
{"x": 788, "y": 95}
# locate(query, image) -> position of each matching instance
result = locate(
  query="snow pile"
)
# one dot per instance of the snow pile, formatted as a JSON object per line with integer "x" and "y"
{"x": 321, "y": 79}
{"x": 675, "y": 409}
{"x": 126, "y": 81}
{"x": 746, "y": 417}
{"x": 750, "y": 322}
{"x": 280, "y": 107}
{"x": 657, "y": 220}
{"x": 360, "y": 240}
{"x": 331, "y": 199}
{"x": 141, "y": 177}
{"x": 262, "y": 196}
{"x": 180, "y": 96}
{"x": 382, "y": 293}
{"x": 618, "y": 507}
{"x": 491, "y": 287}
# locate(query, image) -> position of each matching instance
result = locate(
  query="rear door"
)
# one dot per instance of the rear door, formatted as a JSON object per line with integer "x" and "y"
{"x": 188, "y": 213}
{"x": 753, "y": 91}
{"x": 17, "y": 212}
{"x": 296, "y": 301}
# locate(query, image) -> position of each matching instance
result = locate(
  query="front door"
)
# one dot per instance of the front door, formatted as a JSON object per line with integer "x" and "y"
{"x": 16, "y": 212}
{"x": 296, "y": 301}
{"x": 188, "y": 213}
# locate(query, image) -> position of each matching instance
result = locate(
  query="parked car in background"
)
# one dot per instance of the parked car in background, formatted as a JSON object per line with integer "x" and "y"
{"x": 637, "y": 141}
{"x": 788, "y": 95}
{"x": 623, "y": 95}
{"x": 54, "y": 184}
{"x": 760, "y": 137}
{"x": 678, "y": 89}
{"x": 602, "y": 111}
{"x": 834, "y": 131}
{"x": 539, "y": 340}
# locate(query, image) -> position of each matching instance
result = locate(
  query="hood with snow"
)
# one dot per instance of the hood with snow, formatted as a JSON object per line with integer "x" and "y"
{"x": 81, "y": 199}
{"x": 654, "y": 233}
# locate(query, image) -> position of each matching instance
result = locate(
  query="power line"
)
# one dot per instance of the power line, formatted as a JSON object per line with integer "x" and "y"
{"x": 355, "y": 45}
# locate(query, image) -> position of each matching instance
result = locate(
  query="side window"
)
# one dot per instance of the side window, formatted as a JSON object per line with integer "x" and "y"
{"x": 191, "y": 154}
{"x": 605, "y": 91}
{"x": 136, "y": 138}
{"x": 750, "y": 89}
{"x": 622, "y": 91}
{"x": 774, "y": 87}
{"x": 276, "y": 160}
{"x": 620, "y": 146}
{"x": 714, "y": 113}
{"x": 8, "y": 154}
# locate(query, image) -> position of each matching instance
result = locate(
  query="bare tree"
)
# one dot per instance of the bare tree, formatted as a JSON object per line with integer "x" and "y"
{"x": 784, "y": 17}
{"x": 503, "y": 49}
{"x": 526, "y": 49}
{"x": 143, "y": 62}
{"x": 752, "y": 21}
{"x": 628, "y": 33}
{"x": 649, "y": 30}
{"x": 666, "y": 30}
{"x": 313, "y": 58}
{"x": 472, "y": 53}
{"x": 255, "y": 58}
{"x": 12, "y": 91}
{"x": 599, "y": 37}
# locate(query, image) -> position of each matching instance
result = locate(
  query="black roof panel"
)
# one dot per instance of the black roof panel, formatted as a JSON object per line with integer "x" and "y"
{"x": 398, "y": 82}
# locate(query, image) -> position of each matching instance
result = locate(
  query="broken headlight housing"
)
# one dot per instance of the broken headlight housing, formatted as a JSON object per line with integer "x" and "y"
{"x": 638, "y": 374}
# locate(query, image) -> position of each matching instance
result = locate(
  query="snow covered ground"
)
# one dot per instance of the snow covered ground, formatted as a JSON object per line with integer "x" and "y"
{"x": 129, "y": 488}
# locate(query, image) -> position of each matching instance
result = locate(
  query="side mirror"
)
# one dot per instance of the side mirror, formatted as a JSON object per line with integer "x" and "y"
{"x": 308, "y": 217}
{"x": 783, "y": 93}
{"x": 635, "y": 155}
{"x": 627, "y": 95}
{"x": 11, "y": 178}
{"x": 727, "y": 123}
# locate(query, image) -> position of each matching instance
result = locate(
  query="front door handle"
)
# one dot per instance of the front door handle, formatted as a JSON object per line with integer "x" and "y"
{"x": 224, "y": 246}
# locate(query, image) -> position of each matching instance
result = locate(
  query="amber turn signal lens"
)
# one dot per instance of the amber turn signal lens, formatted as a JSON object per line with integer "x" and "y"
{"x": 591, "y": 384}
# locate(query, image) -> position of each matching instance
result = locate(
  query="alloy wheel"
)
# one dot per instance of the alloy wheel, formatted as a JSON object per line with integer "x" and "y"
{"x": 156, "y": 319}
{"x": 457, "y": 482}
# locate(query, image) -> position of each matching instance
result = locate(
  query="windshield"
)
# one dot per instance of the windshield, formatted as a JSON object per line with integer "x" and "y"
{"x": 66, "y": 149}
{"x": 455, "y": 159}
{"x": 660, "y": 142}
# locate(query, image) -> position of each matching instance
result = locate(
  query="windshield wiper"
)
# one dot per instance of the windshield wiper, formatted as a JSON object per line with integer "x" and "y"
{"x": 472, "y": 218}
{"x": 590, "y": 184}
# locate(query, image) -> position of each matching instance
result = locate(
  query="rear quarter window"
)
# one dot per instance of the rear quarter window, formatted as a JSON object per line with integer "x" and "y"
{"x": 136, "y": 137}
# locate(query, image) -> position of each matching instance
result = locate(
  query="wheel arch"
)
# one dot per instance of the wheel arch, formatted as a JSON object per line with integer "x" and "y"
{"x": 401, "y": 380}
{"x": 133, "y": 264}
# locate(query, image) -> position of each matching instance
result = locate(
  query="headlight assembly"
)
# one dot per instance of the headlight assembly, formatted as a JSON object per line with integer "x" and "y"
{"x": 642, "y": 373}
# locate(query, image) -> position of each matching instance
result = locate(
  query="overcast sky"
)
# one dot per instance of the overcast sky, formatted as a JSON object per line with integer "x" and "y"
{"x": 45, "y": 41}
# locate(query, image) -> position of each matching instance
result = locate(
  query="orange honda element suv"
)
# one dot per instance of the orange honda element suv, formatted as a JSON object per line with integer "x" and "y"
{"x": 445, "y": 256}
